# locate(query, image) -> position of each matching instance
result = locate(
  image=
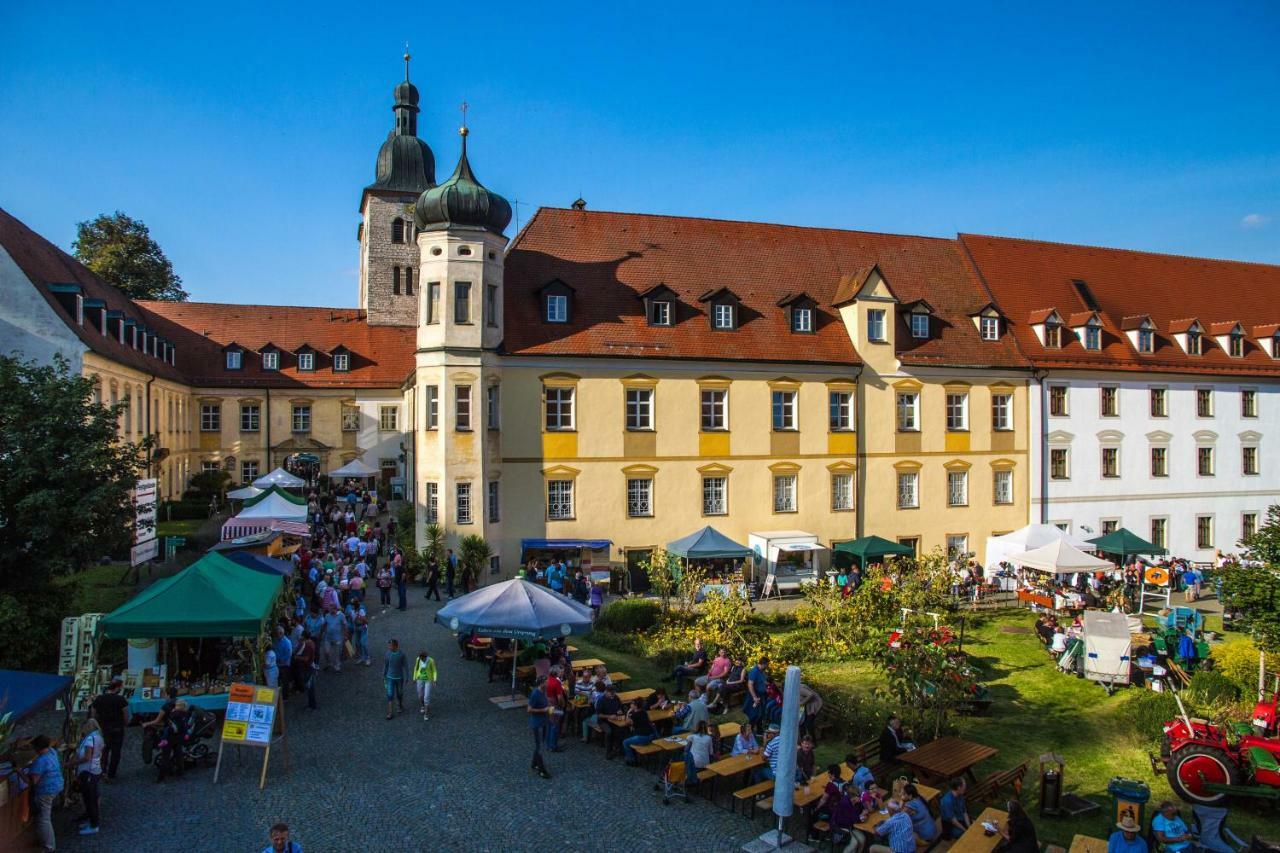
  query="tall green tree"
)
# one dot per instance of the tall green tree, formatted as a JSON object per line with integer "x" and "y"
{"x": 66, "y": 499}
{"x": 1255, "y": 588}
{"x": 120, "y": 249}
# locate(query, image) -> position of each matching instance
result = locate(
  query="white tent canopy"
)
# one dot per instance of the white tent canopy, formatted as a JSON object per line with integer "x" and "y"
{"x": 1026, "y": 539}
{"x": 275, "y": 505}
{"x": 1060, "y": 558}
{"x": 279, "y": 477}
{"x": 245, "y": 493}
{"x": 354, "y": 468}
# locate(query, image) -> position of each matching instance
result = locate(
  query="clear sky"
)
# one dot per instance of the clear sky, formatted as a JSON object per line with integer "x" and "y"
{"x": 242, "y": 135}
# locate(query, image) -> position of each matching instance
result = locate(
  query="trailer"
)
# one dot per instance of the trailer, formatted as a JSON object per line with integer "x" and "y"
{"x": 1106, "y": 648}
{"x": 793, "y": 558}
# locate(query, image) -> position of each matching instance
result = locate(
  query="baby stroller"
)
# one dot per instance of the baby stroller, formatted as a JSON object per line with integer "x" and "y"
{"x": 674, "y": 782}
{"x": 179, "y": 743}
{"x": 1071, "y": 658}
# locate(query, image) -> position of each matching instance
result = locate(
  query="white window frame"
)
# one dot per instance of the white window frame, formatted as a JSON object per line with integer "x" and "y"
{"x": 1200, "y": 543}
{"x": 300, "y": 418}
{"x": 462, "y": 408}
{"x": 920, "y": 326}
{"x": 1002, "y": 487}
{"x": 841, "y": 491}
{"x": 786, "y": 417}
{"x": 560, "y": 400}
{"x": 433, "y": 303}
{"x": 1103, "y": 452}
{"x": 1160, "y": 539}
{"x": 1248, "y": 403}
{"x": 388, "y": 418}
{"x": 1066, "y": 463}
{"x": 306, "y": 361}
{"x": 1206, "y": 452}
{"x": 350, "y": 418}
{"x": 1159, "y": 471}
{"x": 433, "y": 502}
{"x": 840, "y": 411}
{"x": 432, "y": 403}
{"x": 557, "y": 308}
{"x": 1106, "y": 392}
{"x": 1205, "y": 394}
{"x": 1002, "y": 412}
{"x": 957, "y": 488}
{"x": 957, "y": 411}
{"x": 802, "y": 320}
{"x": 210, "y": 417}
{"x": 250, "y": 417}
{"x": 463, "y": 513}
{"x": 271, "y": 360}
{"x": 908, "y": 489}
{"x": 341, "y": 362}
{"x": 989, "y": 328}
{"x": 785, "y": 489}
{"x": 876, "y": 332}
{"x": 640, "y": 497}
{"x": 907, "y": 406}
{"x": 560, "y": 500}
{"x": 1158, "y": 402}
{"x": 249, "y": 471}
{"x": 957, "y": 545}
{"x": 1247, "y": 520}
{"x": 659, "y": 312}
{"x": 639, "y": 409}
{"x": 715, "y": 495}
{"x": 722, "y": 316}
{"x": 714, "y": 409}
{"x": 1066, "y": 400}
{"x": 235, "y": 359}
{"x": 1245, "y": 450}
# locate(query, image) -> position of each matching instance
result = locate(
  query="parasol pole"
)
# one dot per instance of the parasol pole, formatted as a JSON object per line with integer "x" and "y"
{"x": 515, "y": 654}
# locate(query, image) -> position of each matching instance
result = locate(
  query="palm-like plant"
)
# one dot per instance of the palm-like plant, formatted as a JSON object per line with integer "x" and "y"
{"x": 473, "y": 552}
{"x": 433, "y": 543}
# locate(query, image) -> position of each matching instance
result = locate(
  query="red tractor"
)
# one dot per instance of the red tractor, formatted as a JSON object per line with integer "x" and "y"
{"x": 1206, "y": 763}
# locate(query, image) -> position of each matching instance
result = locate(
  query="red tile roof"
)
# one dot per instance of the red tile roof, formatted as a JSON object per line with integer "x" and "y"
{"x": 1024, "y": 275}
{"x": 609, "y": 258}
{"x": 381, "y": 356}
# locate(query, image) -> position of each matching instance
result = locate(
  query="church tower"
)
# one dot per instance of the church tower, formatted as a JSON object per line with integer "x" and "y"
{"x": 458, "y": 383}
{"x": 389, "y": 287}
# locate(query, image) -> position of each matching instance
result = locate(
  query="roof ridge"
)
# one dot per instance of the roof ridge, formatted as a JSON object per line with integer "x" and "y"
{"x": 150, "y": 302}
{"x": 1144, "y": 252}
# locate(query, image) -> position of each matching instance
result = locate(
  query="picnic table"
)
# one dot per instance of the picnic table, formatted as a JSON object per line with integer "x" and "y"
{"x": 930, "y": 796}
{"x": 1088, "y": 844}
{"x": 639, "y": 693}
{"x": 618, "y": 677}
{"x": 975, "y": 838}
{"x": 946, "y": 758}
{"x": 591, "y": 663}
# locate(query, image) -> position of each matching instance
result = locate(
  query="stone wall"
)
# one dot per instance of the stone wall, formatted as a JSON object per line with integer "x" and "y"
{"x": 379, "y": 257}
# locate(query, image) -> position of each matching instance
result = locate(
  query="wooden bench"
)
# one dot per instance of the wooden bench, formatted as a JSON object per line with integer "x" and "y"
{"x": 989, "y": 788}
{"x": 748, "y": 796}
{"x": 869, "y": 754}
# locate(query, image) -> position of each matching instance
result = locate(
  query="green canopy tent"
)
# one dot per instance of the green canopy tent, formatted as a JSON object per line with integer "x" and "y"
{"x": 1125, "y": 544}
{"x": 873, "y": 549}
{"x": 213, "y": 597}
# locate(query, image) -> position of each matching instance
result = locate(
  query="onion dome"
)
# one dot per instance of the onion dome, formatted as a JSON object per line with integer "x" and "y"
{"x": 405, "y": 162}
{"x": 462, "y": 202}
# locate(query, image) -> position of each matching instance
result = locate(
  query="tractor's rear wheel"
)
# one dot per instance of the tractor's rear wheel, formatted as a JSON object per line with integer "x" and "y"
{"x": 1192, "y": 766}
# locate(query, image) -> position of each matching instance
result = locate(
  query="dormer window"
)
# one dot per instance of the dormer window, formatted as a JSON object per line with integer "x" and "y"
{"x": 989, "y": 328}
{"x": 1195, "y": 343}
{"x": 875, "y": 325}
{"x": 556, "y": 298}
{"x": 1235, "y": 345}
{"x": 1146, "y": 341}
{"x": 557, "y": 308}
{"x": 1275, "y": 345}
{"x": 723, "y": 308}
{"x": 800, "y": 308}
{"x": 306, "y": 361}
{"x": 271, "y": 360}
{"x": 1093, "y": 336}
{"x": 234, "y": 357}
{"x": 722, "y": 316}
{"x": 802, "y": 319}
{"x": 920, "y": 326}
{"x": 341, "y": 362}
{"x": 1053, "y": 336}
{"x": 659, "y": 312}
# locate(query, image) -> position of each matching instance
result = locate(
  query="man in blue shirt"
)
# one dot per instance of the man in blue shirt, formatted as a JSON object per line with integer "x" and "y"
{"x": 954, "y": 810}
{"x": 538, "y": 709}
{"x": 897, "y": 830}
{"x": 1126, "y": 839}
{"x": 45, "y": 777}
{"x": 1170, "y": 829}
{"x": 335, "y": 632}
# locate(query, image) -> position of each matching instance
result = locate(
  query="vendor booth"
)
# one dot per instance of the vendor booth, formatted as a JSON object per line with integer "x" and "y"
{"x": 1027, "y": 539}
{"x": 281, "y": 478}
{"x": 873, "y": 549}
{"x": 591, "y": 556}
{"x": 791, "y": 557}
{"x": 244, "y": 494}
{"x": 21, "y": 695}
{"x": 1057, "y": 560}
{"x": 723, "y": 559}
{"x": 257, "y": 514}
{"x": 209, "y": 617}
{"x": 355, "y": 470}
{"x": 1106, "y": 648}
{"x": 1125, "y": 544}
{"x": 268, "y": 543}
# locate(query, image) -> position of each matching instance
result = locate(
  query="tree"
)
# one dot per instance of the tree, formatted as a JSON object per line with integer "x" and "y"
{"x": 67, "y": 498}
{"x": 120, "y": 250}
{"x": 473, "y": 552}
{"x": 433, "y": 543}
{"x": 1264, "y": 544}
{"x": 662, "y": 569}
{"x": 1254, "y": 590}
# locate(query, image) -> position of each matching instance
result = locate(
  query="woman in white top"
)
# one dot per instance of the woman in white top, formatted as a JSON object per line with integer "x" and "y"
{"x": 699, "y": 749}
{"x": 89, "y": 773}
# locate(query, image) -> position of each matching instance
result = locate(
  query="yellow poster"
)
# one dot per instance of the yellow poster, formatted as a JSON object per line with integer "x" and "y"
{"x": 234, "y": 730}
{"x": 265, "y": 696}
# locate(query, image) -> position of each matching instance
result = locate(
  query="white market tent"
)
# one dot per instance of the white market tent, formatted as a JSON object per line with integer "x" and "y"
{"x": 244, "y": 494}
{"x": 1027, "y": 539}
{"x": 279, "y": 477}
{"x": 258, "y": 514}
{"x": 354, "y": 468}
{"x": 1060, "y": 558}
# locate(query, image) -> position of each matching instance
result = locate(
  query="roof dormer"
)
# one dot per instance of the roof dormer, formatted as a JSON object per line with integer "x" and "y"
{"x": 95, "y": 314}
{"x": 270, "y": 354}
{"x": 1189, "y": 334}
{"x": 723, "y": 309}
{"x": 233, "y": 356}
{"x": 306, "y": 357}
{"x": 1268, "y": 337}
{"x": 1141, "y": 332}
{"x": 1087, "y": 326}
{"x": 801, "y": 311}
{"x": 659, "y": 305}
{"x": 918, "y": 316}
{"x": 1230, "y": 336}
{"x": 556, "y": 301}
{"x": 990, "y": 322}
{"x": 1047, "y": 324}
{"x": 341, "y": 359}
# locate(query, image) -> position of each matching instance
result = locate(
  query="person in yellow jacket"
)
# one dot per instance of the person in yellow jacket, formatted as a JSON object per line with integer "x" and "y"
{"x": 424, "y": 678}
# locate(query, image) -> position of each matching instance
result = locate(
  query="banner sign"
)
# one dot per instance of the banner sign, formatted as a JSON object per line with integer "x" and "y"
{"x": 145, "y": 546}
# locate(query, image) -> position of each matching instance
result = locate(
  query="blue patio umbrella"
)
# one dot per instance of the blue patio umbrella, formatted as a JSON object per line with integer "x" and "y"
{"x": 515, "y": 610}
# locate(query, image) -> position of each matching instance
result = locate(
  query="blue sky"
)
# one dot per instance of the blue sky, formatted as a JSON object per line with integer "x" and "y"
{"x": 243, "y": 136}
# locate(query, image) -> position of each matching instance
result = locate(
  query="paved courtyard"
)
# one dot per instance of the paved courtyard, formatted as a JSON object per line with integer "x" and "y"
{"x": 460, "y": 781}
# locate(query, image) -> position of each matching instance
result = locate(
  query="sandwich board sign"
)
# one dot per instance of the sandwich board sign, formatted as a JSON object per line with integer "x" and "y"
{"x": 254, "y": 719}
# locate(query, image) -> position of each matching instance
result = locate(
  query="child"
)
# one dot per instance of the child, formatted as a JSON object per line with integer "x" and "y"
{"x": 424, "y": 678}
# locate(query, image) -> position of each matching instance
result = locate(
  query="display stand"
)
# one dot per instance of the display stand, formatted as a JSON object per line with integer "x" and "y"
{"x": 1152, "y": 598}
{"x": 770, "y": 587}
{"x": 255, "y": 718}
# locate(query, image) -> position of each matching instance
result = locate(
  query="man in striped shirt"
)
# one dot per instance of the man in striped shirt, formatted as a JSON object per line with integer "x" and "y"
{"x": 897, "y": 830}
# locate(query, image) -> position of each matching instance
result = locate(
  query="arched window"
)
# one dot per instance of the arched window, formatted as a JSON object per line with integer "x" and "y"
{"x": 408, "y": 281}
{"x": 395, "y": 279}
{"x": 397, "y": 230}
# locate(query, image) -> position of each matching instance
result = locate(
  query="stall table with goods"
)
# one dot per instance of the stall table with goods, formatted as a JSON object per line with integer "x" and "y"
{"x": 21, "y": 695}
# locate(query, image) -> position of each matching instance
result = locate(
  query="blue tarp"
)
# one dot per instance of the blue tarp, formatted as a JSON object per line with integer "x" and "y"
{"x": 515, "y": 609}
{"x": 24, "y": 693}
{"x": 259, "y": 563}
{"x": 563, "y": 544}
{"x": 707, "y": 543}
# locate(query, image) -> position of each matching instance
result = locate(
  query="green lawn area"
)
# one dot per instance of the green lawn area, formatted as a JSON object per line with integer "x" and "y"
{"x": 98, "y": 589}
{"x": 1036, "y": 710}
{"x": 179, "y": 527}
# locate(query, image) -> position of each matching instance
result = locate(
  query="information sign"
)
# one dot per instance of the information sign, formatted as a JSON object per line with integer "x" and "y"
{"x": 254, "y": 719}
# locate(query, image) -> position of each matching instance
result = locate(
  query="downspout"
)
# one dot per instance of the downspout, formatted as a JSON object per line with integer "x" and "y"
{"x": 269, "y": 466}
{"x": 1043, "y": 438}
{"x": 860, "y": 457}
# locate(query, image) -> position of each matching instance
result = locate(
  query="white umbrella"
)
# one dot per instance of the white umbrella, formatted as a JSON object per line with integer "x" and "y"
{"x": 1059, "y": 558}
{"x": 1027, "y": 539}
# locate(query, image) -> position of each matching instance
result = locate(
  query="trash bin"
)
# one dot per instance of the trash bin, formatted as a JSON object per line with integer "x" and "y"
{"x": 1129, "y": 797}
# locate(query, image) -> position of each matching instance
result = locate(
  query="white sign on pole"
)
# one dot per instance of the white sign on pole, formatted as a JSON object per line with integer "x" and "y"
{"x": 145, "y": 544}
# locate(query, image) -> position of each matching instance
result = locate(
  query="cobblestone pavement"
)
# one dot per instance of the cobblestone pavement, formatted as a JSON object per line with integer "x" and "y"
{"x": 460, "y": 781}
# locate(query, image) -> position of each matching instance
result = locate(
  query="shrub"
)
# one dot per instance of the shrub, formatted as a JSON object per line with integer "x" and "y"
{"x": 1238, "y": 661}
{"x": 629, "y": 615}
{"x": 857, "y": 716}
{"x": 1209, "y": 687}
{"x": 1147, "y": 712}
{"x": 184, "y": 510}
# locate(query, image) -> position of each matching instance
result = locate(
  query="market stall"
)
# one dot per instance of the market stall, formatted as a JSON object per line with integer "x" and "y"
{"x": 268, "y": 543}
{"x": 1027, "y": 539}
{"x": 21, "y": 695}
{"x": 260, "y": 513}
{"x": 355, "y": 470}
{"x": 281, "y": 478}
{"x": 873, "y": 549}
{"x": 791, "y": 557}
{"x": 591, "y": 556}
{"x": 244, "y": 494}
{"x": 209, "y": 617}
{"x": 1106, "y": 648}
{"x": 1055, "y": 562}
{"x": 723, "y": 559}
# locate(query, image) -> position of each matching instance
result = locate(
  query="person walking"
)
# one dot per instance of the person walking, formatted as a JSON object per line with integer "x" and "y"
{"x": 393, "y": 673}
{"x": 305, "y": 668}
{"x": 433, "y": 578}
{"x": 424, "y": 678}
{"x": 402, "y": 582}
{"x": 538, "y": 709}
{"x": 89, "y": 773}
{"x": 44, "y": 775}
{"x": 358, "y": 621}
{"x": 384, "y": 585}
{"x": 280, "y": 842}
{"x": 111, "y": 710}
{"x": 450, "y": 571}
{"x": 335, "y": 634}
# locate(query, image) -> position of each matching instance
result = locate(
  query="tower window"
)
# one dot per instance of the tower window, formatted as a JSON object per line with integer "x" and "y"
{"x": 395, "y": 280}
{"x": 408, "y": 281}
{"x": 462, "y": 302}
{"x": 491, "y": 305}
{"x": 397, "y": 230}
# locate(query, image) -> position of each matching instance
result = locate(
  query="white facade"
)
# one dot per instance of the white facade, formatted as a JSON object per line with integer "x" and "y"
{"x": 1131, "y": 463}
{"x": 30, "y": 324}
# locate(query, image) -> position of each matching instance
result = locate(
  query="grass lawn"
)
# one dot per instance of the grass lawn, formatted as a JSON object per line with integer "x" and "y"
{"x": 180, "y": 527}
{"x": 98, "y": 589}
{"x": 1037, "y": 710}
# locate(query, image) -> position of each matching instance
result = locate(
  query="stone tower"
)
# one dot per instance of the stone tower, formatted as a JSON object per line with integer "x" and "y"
{"x": 388, "y": 253}
{"x": 458, "y": 380}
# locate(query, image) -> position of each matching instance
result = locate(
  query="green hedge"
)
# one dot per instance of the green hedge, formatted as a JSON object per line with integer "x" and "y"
{"x": 629, "y": 615}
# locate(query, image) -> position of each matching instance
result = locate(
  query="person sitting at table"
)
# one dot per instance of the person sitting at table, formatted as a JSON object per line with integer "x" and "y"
{"x": 926, "y": 828}
{"x": 695, "y": 666}
{"x": 642, "y": 731}
{"x": 861, "y": 773}
{"x": 699, "y": 751}
{"x": 1044, "y": 629}
{"x": 745, "y": 743}
{"x": 772, "y": 745}
{"x": 601, "y": 675}
{"x": 772, "y": 702}
{"x": 658, "y": 700}
{"x": 1170, "y": 829}
{"x": 870, "y": 799}
{"x": 585, "y": 681}
{"x": 831, "y": 793}
{"x": 896, "y": 830}
{"x": 734, "y": 682}
{"x": 847, "y": 813}
{"x": 695, "y": 711}
{"x": 605, "y": 704}
{"x": 805, "y": 760}
{"x": 1125, "y": 838}
{"x": 719, "y": 668}
{"x": 894, "y": 740}
{"x": 1018, "y": 832}
{"x": 1058, "y": 644}
{"x": 954, "y": 810}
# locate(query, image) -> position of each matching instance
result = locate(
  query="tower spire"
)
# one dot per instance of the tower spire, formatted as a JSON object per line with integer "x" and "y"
{"x": 407, "y": 57}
